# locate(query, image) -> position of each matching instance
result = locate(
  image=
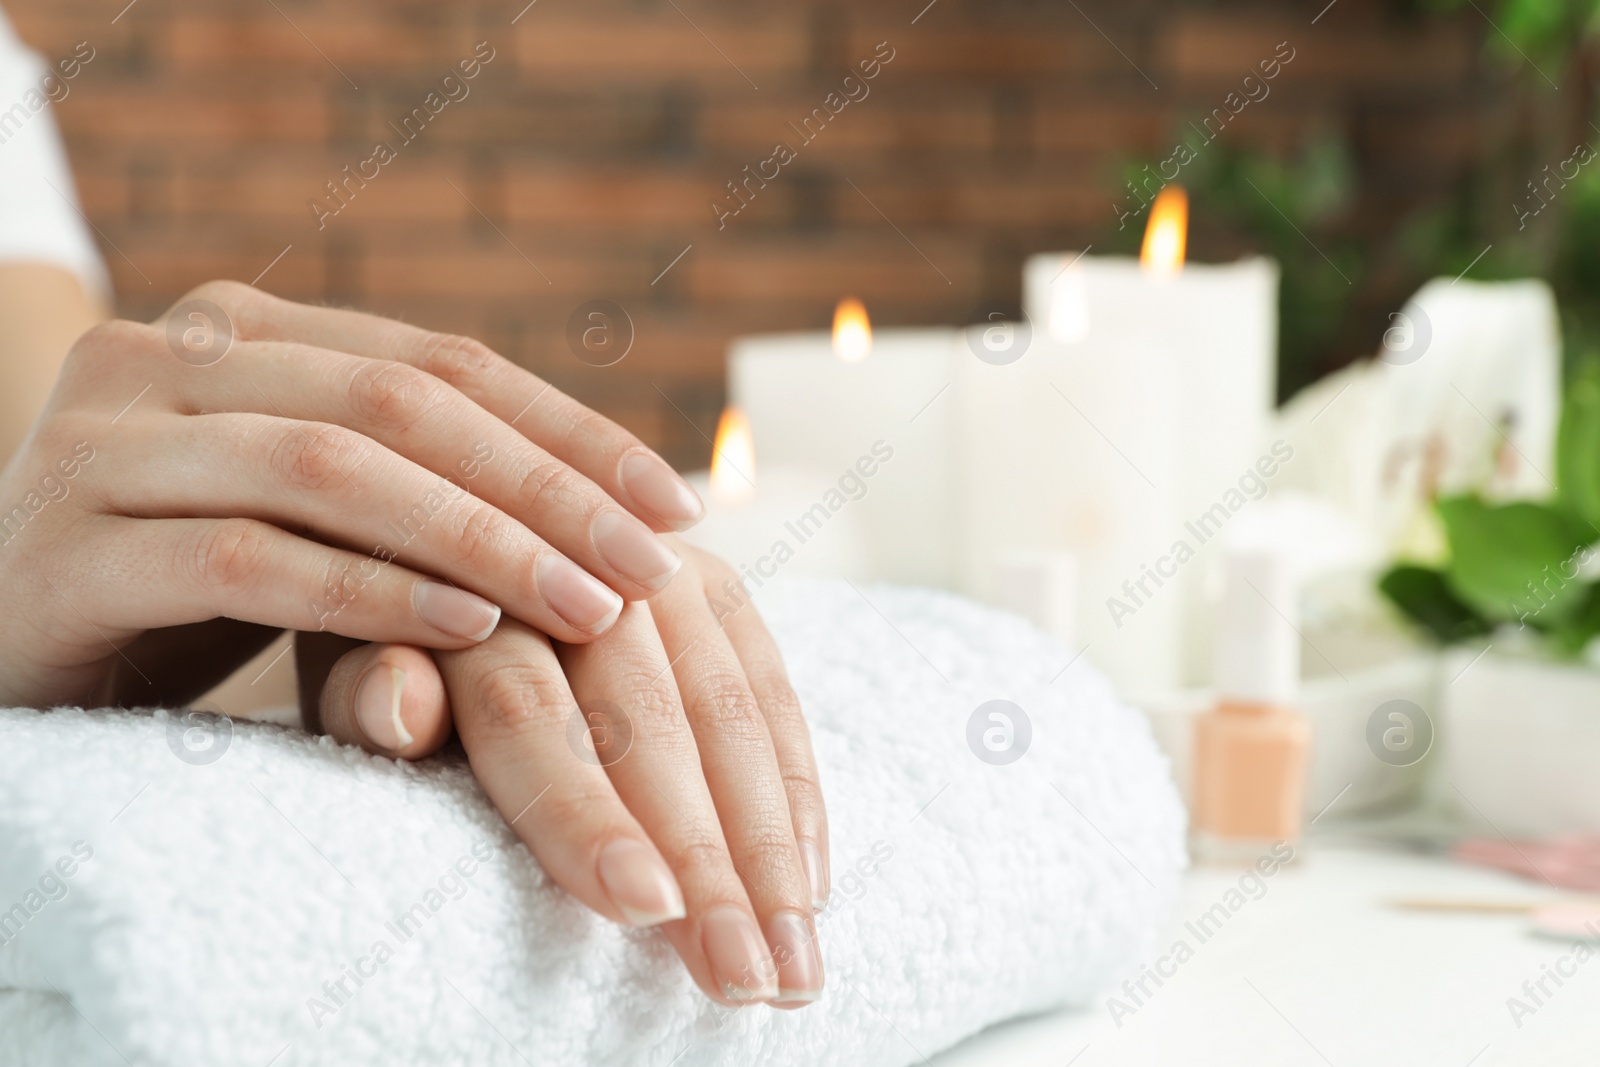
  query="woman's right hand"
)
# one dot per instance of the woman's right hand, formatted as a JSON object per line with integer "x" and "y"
{"x": 312, "y": 469}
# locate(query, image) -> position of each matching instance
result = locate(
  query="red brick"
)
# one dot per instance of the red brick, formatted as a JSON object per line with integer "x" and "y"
{"x": 997, "y": 197}
{"x": 1000, "y": 53}
{"x": 826, "y": 270}
{"x": 269, "y": 40}
{"x": 194, "y": 113}
{"x": 1338, "y": 53}
{"x": 879, "y": 123}
{"x": 1063, "y": 123}
{"x": 610, "y": 197}
{"x": 664, "y": 46}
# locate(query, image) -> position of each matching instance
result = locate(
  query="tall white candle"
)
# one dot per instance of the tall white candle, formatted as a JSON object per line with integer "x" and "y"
{"x": 1114, "y": 442}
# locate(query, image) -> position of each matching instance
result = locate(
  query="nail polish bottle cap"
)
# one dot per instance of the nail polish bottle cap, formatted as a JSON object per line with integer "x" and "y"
{"x": 1258, "y": 645}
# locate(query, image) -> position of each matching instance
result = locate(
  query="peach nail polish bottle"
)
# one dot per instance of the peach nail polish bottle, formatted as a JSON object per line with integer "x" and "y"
{"x": 1250, "y": 751}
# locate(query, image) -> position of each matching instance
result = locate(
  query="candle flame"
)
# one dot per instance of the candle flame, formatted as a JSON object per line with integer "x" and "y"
{"x": 1167, "y": 232}
{"x": 852, "y": 331}
{"x": 733, "y": 456}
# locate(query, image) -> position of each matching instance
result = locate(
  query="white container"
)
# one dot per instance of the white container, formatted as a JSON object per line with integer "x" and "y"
{"x": 1347, "y": 777}
{"x": 1521, "y": 744}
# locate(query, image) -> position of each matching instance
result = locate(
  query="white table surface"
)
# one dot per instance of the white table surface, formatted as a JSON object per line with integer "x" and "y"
{"x": 1320, "y": 970}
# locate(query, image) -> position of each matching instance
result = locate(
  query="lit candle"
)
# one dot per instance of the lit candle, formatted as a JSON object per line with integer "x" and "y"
{"x": 777, "y": 522}
{"x": 1144, "y": 399}
{"x": 864, "y": 406}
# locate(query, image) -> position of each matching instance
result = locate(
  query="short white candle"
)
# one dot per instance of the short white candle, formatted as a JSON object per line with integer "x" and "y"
{"x": 776, "y": 520}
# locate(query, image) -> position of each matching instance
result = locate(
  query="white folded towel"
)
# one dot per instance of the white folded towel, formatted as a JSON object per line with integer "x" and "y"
{"x": 295, "y": 902}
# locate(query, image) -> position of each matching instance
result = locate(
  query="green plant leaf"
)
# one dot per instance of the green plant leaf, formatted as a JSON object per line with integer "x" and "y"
{"x": 1514, "y": 561}
{"x": 1424, "y": 596}
{"x": 1582, "y": 625}
{"x": 1578, "y": 446}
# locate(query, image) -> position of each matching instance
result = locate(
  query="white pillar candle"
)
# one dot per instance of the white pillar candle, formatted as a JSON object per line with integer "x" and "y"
{"x": 888, "y": 417}
{"x": 1113, "y": 443}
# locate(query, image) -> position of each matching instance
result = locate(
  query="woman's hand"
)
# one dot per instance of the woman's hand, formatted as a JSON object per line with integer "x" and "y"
{"x": 683, "y": 794}
{"x": 311, "y": 469}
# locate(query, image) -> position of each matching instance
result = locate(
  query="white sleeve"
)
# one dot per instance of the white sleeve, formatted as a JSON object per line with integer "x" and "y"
{"x": 39, "y": 218}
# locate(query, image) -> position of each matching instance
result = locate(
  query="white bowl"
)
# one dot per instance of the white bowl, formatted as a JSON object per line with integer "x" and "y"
{"x": 1521, "y": 743}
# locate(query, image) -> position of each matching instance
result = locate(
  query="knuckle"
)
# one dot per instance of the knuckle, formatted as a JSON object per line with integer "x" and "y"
{"x": 393, "y": 395}
{"x": 224, "y": 292}
{"x": 317, "y": 457}
{"x": 587, "y": 424}
{"x": 779, "y": 701}
{"x": 554, "y": 485}
{"x": 573, "y": 807}
{"x": 482, "y": 536}
{"x": 654, "y": 706}
{"x": 108, "y": 344}
{"x": 805, "y": 792}
{"x": 514, "y": 698}
{"x": 731, "y": 710}
{"x": 702, "y": 852}
{"x": 769, "y": 849}
{"x": 249, "y": 309}
{"x": 231, "y": 555}
{"x": 454, "y": 358}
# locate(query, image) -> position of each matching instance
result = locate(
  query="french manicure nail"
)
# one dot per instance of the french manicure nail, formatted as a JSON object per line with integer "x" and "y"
{"x": 378, "y": 707}
{"x": 794, "y": 948}
{"x": 629, "y": 546}
{"x": 658, "y": 489}
{"x": 576, "y": 595}
{"x": 455, "y": 611}
{"x": 816, "y": 874}
{"x": 737, "y": 953}
{"x": 639, "y": 883}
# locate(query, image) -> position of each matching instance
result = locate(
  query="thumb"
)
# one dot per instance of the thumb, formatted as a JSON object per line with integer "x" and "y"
{"x": 388, "y": 699}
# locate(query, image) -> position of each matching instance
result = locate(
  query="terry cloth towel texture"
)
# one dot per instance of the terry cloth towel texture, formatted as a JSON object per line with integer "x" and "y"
{"x": 182, "y": 890}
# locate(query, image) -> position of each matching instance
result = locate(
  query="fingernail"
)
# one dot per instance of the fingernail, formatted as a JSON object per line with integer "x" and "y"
{"x": 658, "y": 489}
{"x": 576, "y": 595}
{"x": 629, "y": 546}
{"x": 455, "y": 611}
{"x": 737, "y": 953}
{"x": 794, "y": 948}
{"x": 816, "y": 874}
{"x": 378, "y": 708}
{"x": 639, "y": 883}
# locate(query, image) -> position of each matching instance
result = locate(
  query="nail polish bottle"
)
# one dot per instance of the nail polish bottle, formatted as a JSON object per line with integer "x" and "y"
{"x": 1251, "y": 750}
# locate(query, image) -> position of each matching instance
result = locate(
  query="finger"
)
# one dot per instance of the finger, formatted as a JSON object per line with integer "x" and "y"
{"x": 791, "y": 738}
{"x": 513, "y": 710}
{"x": 388, "y": 699}
{"x": 419, "y": 417}
{"x": 741, "y": 767}
{"x": 138, "y": 574}
{"x": 625, "y": 682}
{"x": 611, "y": 457}
{"x": 352, "y": 491}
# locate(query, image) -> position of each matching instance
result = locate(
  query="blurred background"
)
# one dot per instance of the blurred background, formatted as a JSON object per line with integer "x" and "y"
{"x": 592, "y": 147}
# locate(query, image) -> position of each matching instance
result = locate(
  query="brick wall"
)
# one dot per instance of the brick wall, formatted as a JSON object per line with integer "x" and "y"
{"x": 589, "y": 150}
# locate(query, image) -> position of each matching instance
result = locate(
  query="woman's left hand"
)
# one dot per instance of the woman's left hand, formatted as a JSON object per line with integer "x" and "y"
{"x": 683, "y": 794}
